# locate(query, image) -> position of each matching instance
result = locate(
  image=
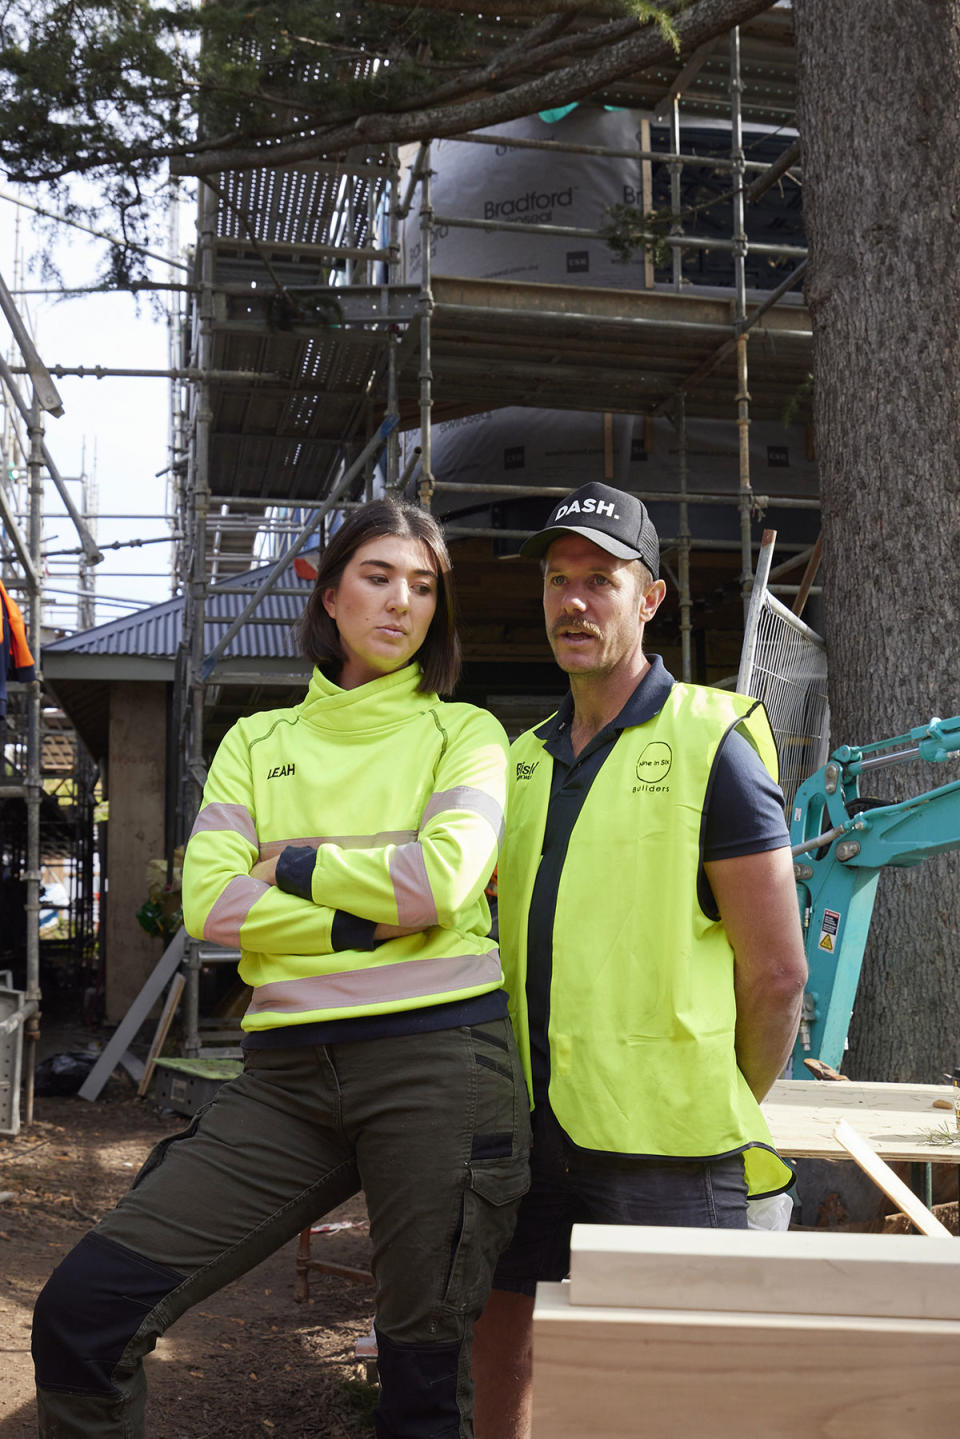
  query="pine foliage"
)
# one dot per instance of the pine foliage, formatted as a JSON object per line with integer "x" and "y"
{"x": 122, "y": 93}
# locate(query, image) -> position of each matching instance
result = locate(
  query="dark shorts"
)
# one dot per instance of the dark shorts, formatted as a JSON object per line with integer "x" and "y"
{"x": 575, "y": 1186}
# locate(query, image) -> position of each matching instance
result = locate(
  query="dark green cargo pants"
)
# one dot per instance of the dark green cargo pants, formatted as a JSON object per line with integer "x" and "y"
{"x": 433, "y": 1127}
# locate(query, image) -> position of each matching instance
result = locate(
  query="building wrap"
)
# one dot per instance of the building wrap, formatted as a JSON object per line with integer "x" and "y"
{"x": 532, "y": 187}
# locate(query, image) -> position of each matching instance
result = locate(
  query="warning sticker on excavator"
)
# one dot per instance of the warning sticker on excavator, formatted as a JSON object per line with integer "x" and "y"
{"x": 829, "y": 925}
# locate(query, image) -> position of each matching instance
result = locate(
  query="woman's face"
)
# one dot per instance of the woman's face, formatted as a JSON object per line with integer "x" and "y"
{"x": 383, "y": 606}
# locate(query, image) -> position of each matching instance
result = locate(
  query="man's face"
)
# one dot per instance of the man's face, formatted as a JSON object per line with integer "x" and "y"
{"x": 595, "y": 607}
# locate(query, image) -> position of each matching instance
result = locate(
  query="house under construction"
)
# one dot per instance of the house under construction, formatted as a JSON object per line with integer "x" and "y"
{"x": 451, "y": 322}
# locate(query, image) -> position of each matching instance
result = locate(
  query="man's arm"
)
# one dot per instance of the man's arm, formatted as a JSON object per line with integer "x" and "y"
{"x": 757, "y": 899}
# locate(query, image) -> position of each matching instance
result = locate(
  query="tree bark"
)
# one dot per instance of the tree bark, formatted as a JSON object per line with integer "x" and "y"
{"x": 879, "y": 116}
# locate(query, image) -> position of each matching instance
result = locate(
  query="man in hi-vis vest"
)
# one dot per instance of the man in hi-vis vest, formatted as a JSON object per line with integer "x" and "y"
{"x": 649, "y": 930}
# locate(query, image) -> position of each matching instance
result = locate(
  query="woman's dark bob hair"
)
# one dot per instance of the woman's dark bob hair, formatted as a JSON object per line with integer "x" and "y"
{"x": 439, "y": 655}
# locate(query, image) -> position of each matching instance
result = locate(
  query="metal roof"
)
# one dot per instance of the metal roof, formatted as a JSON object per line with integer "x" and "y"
{"x": 261, "y": 669}
{"x": 156, "y": 632}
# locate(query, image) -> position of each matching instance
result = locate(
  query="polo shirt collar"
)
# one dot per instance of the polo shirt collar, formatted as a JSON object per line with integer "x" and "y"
{"x": 647, "y": 700}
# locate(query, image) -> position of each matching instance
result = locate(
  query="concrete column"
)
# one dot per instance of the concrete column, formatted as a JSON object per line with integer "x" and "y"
{"x": 135, "y": 773}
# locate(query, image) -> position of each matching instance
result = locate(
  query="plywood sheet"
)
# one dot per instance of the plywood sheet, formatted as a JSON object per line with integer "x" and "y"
{"x": 739, "y": 1270}
{"x": 895, "y": 1119}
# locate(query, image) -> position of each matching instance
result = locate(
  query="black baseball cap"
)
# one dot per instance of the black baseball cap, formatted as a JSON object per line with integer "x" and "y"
{"x": 612, "y": 519}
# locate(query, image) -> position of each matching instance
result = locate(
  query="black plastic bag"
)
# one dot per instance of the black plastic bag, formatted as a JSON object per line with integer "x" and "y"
{"x": 63, "y": 1073}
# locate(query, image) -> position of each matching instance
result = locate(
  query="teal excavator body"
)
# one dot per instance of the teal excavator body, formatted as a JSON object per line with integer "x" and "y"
{"x": 841, "y": 841}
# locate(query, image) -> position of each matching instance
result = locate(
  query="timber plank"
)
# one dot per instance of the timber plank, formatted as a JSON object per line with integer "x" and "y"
{"x": 618, "y": 1372}
{"x": 744, "y": 1270}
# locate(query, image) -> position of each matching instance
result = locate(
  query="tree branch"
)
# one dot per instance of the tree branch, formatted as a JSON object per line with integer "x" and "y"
{"x": 537, "y": 48}
{"x": 694, "y": 25}
{"x": 523, "y": 9}
{"x": 529, "y": 55}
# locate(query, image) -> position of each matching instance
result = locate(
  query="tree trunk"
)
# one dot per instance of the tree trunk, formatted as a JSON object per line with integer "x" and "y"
{"x": 879, "y": 115}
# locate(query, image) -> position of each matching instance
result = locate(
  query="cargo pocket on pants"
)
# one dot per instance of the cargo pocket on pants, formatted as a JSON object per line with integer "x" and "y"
{"x": 159, "y": 1151}
{"x": 491, "y": 1198}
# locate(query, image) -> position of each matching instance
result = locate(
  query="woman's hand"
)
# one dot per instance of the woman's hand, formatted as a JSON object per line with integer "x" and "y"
{"x": 266, "y": 870}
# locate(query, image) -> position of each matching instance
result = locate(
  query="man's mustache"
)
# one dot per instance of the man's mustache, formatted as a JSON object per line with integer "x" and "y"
{"x": 565, "y": 627}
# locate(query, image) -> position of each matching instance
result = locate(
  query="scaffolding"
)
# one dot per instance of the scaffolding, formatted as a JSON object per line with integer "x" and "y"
{"x": 48, "y": 781}
{"x": 307, "y": 351}
{"x": 303, "y": 347}
{"x": 25, "y": 462}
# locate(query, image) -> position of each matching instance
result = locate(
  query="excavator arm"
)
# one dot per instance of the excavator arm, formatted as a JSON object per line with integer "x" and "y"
{"x": 841, "y": 841}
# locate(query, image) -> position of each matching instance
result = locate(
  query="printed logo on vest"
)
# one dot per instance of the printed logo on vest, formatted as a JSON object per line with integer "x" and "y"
{"x": 525, "y": 771}
{"x": 280, "y": 770}
{"x": 653, "y": 767}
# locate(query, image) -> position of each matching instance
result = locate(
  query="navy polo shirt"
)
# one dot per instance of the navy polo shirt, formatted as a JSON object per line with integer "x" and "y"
{"x": 743, "y": 815}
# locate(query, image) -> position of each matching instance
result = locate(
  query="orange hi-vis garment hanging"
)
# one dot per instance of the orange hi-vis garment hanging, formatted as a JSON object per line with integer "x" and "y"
{"x": 16, "y": 661}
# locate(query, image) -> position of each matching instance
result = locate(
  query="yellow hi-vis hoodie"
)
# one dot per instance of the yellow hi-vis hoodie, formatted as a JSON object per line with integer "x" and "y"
{"x": 401, "y": 796}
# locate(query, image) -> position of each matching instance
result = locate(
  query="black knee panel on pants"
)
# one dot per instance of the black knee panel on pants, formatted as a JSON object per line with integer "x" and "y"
{"x": 418, "y": 1390}
{"x": 92, "y": 1305}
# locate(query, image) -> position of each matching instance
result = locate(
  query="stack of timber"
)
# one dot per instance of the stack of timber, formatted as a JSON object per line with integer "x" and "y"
{"x": 746, "y": 1334}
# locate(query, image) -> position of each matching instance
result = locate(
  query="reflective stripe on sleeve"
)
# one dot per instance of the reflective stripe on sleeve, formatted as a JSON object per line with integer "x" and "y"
{"x": 383, "y": 984}
{"x": 466, "y": 796}
{"x": 416, "y": 906}
{"x": 222, "y": 925}
{"x": 343, "y": 841}
{"x": 235, "y": 817}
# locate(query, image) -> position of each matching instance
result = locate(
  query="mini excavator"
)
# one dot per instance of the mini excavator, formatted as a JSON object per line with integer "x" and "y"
{"x": 841, "y": 841}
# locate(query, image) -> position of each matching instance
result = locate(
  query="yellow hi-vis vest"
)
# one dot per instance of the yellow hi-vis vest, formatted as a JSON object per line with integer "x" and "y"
{"x": 642, "y": 1008}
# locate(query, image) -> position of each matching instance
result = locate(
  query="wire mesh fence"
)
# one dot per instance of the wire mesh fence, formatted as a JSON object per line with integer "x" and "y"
{"x": 784, "y": 663}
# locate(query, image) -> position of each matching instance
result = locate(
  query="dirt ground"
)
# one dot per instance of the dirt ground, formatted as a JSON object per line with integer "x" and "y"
{"x": 248, "y": 1363}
